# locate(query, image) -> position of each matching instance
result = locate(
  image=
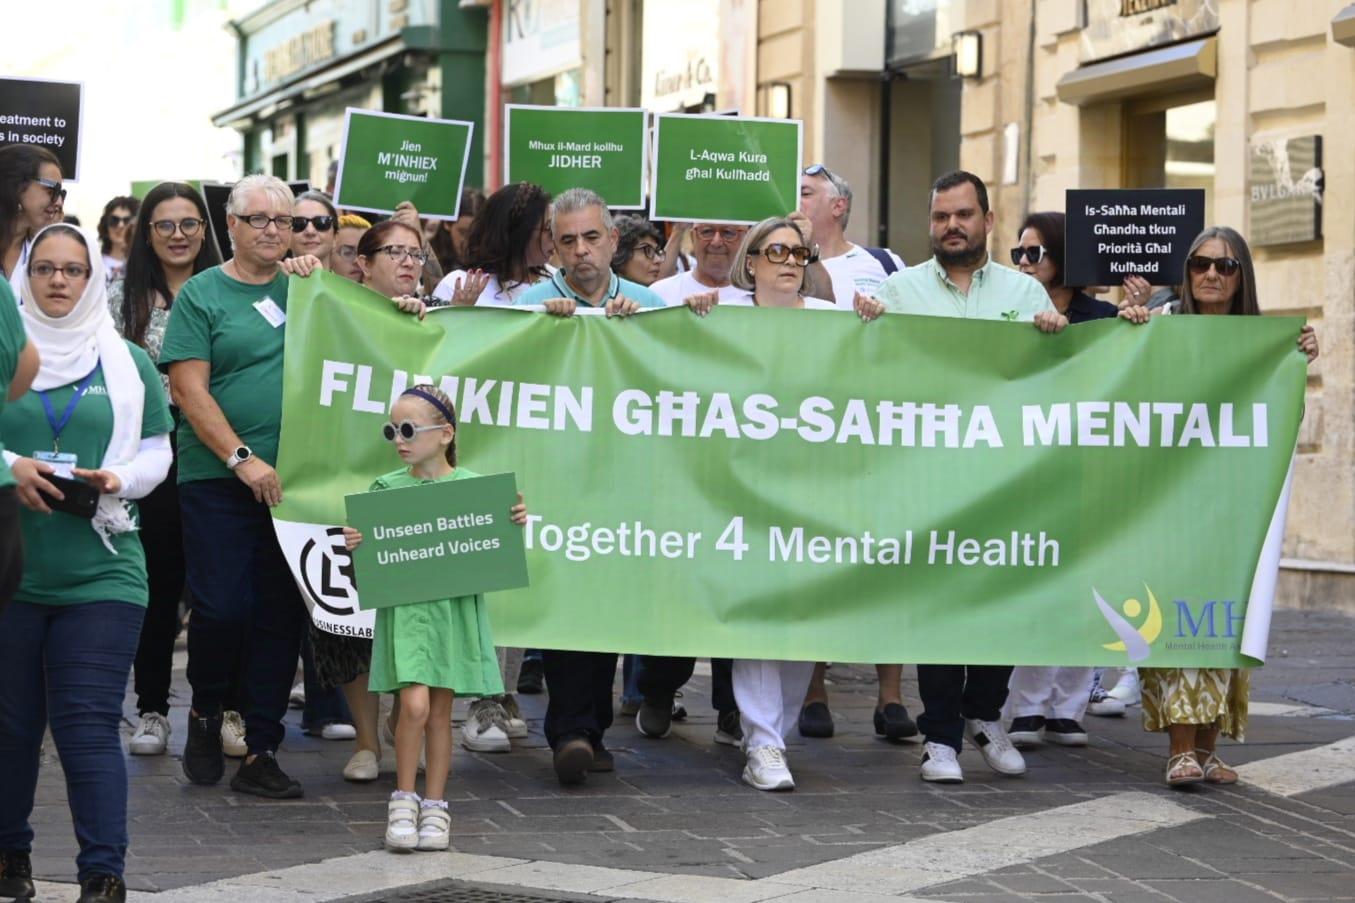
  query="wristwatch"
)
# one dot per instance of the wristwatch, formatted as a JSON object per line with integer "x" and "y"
{"x": 814, "y": 254}
{"x": 238, "y": 457}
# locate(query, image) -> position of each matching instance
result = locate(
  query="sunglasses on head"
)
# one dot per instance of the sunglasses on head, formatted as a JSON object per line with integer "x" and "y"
{"x": 818, "y": 169}
{"x": 406, "y": 430}
{"x": 58, "y": 193}
{"x": 1226, "y": 266}
{"x": 779, "y": 253}
{"x": 1032, "y": 253}
{"x": 322, "y": 223}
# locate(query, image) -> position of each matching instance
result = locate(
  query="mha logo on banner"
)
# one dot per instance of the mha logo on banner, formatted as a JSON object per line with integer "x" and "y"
{"x": 1212, "y": 625}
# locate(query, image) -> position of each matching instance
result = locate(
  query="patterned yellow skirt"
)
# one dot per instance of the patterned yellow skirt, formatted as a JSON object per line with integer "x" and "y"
{"x": 1195, "y": 696}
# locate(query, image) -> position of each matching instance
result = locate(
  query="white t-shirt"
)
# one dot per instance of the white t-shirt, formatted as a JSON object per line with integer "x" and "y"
{"x": 113, "y": 268}
{"x": 745, "y": 299}
{"x": 494, "y": 294}
{"x": 856, "y": 271}
{"x": 678, "y": 288}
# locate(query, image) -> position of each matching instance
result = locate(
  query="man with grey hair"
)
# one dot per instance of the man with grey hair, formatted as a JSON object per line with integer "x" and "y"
{"x": 585, "y": 238}
{"x": 826, "y": 198}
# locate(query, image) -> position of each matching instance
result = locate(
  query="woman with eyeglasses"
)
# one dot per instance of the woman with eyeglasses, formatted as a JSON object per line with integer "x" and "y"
{"x": 167, "y": 248}
{"x": 344, "y": 260}
{"x": 315, "y": 224}
{"x": 97, "y": 422}
{"x": 639, "y": 250}
{"x": 507, "y": 250}
{"x": 1194, "y": 705}
{"x": 115, "y": 232}
{"x": 31, "y": 197}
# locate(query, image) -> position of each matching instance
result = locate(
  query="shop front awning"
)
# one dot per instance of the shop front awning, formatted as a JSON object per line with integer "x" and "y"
{"x": 243, "y": 113}
{"x": 1343, "y": 26}
{"x": 1166, "y": 70}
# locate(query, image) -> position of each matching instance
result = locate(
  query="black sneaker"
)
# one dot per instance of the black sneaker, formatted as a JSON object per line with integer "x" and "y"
{"x": 532, "y": 678}
{"x": 892, "y": 722}
{"x": 572, "y": 759}
{"x": 602, "y": 759}
{"x": 1025, "y": 732}
{"x": 655, "y": 718}
{"x": 1064, "y": 732}
{"x": 728, "y": 729}
{"x": 264, "y": 777}
{"x": 203, "y": 760}
{"x": 16, "y": 875}
{"x": 816, "y": 720}
{"x": 103, "y": 889}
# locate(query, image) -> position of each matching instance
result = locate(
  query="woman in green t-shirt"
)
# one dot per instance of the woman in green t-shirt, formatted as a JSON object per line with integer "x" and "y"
{"x": 18, "y": 365}
{"x": 98, "y": 415}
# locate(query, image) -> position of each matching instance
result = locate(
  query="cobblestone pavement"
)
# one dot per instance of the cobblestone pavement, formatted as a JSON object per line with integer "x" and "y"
{"x": 674, "y": 822}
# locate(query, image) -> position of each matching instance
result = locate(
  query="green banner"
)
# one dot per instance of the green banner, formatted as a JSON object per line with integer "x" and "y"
{"x": 558, "y": 148}
{"x": 725, "y": 169}
{"x": 388, "y": 158}
{"x": 802, "y": 485}
{"x": 437, "y": 541}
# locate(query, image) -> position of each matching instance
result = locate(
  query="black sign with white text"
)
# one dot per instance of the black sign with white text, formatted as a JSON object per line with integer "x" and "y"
{"x": 46, "y": 114}
{"x": 1113, "y": 234}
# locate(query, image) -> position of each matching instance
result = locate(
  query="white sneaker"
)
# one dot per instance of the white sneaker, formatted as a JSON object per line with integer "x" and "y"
{"x": 151, "y": 736}
{"x": 233, "y": 735}
{"x": 337, "y": 731}
{"x": 485, "y": 730}
{"x": 1103, "y": 704}
{"x": 1127, "y": 688}
{"x": 767, "y": 769}
{"x": 364, "y": 766}
{"x": 940, "y": 764}
{"x": 515, "y": 726}
{"x": 402, "y": 825}
{"x": 297, "y": 698}
{"x": 992, "y": 740}
{"x": 435, "y": 826}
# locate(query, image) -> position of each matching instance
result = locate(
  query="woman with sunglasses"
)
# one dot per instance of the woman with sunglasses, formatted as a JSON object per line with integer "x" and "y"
{"x": 507, "y": 250}
{"x": 315, "y": 224}
{"x": 1194, "y": 705}
{"x": 115, "y": 232}
{"x": 639, "y": 253}
{"x": 31, "y": 197}
{"x": 167, "y": 248}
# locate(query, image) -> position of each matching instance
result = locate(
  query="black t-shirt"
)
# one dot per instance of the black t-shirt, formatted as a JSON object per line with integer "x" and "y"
{"x": 1084, "y": 307}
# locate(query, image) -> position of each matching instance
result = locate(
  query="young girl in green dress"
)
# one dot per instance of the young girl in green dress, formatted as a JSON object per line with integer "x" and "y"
{"x": 427, "y": 652}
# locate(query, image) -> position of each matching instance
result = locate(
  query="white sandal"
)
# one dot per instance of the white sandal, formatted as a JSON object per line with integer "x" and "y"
{"x": 402, "y": 829}
{"x": 1211, "y": 765}
{"x": 435, "y": 825}
{"x": 1189, "y": 768}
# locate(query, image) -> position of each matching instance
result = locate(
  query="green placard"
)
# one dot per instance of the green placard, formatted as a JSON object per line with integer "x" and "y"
{"x": 578, "y": 147}
{"x": 388, "y": 158}
{"x": 437, "y": 541}
{"x": 725, "y": 169}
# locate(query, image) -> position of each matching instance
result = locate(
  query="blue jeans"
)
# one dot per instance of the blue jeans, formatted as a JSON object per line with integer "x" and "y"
{"x": 67, "y": 664}
{"x": 245, "y": 604}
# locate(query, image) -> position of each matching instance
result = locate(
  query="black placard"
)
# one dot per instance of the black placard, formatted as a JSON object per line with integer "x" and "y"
{"x": 46, "y": 114}
{"x": 1144, "y": 232}
{"x": 216, "y": 194}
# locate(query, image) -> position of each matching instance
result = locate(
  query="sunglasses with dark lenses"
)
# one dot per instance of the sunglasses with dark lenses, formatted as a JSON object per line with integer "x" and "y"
{"x": 818, "y": 169}
{"x": 322, "y": 223}
{"x": 118, "y": 222}
{"x": 651, "y": 252}
{"x": 1226, "y": 266}
{"x": 58, "y": 193}
{"x": 189, "y": 226}
{"x": 1032, "y": 253}
{"x": 779, "y": 253}
{"x": 405, "y": 430}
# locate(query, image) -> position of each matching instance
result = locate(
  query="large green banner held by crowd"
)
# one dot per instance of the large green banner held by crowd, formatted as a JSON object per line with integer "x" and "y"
{"x": 801, "y": 485}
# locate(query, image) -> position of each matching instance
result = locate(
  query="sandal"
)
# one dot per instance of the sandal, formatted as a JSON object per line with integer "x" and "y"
{"x": 1182, "y": 769}
{"x": 1216, "y": 771}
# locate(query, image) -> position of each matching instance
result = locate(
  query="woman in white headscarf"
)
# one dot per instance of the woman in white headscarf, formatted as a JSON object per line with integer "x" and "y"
{"x": 97, "y": 416}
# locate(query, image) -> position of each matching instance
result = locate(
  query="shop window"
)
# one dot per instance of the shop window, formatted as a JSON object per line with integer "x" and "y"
{"x": 1171, "y": 147}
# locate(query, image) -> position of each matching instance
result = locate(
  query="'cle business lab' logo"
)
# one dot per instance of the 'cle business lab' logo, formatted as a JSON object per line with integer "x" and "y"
{"x": 1136, "y": 641}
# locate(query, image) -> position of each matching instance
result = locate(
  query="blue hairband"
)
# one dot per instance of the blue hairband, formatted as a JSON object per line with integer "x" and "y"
{"x": 432, "y": 399}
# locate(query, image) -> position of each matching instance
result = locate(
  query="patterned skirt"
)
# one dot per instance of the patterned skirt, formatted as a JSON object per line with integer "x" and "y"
{"x": 339, "y": 659}
{"x": 1196, "y": 696}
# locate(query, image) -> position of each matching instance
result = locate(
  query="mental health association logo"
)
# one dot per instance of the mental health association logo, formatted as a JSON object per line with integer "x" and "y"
{"x": 1136, "y": 641}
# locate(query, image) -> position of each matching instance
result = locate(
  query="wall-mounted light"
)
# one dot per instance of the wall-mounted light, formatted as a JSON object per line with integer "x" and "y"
{"x": 968, "y": 49}
{"x": 777, "y": 102}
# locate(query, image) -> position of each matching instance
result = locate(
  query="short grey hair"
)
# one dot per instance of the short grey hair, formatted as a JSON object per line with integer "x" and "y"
{"x": 739, "y": 276}
{"x": 840, "y": 189}
{"x": 276, "y": 190}
{"x": 576, "y": 199}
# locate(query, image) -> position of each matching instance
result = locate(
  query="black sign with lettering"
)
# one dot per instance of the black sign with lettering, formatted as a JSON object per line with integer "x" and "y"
{"x": 1113, "y": 234}
{"x": 46, "y": 114}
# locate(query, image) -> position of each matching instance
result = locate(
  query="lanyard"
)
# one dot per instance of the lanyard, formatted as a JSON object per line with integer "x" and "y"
{"x": 58, "y": 425}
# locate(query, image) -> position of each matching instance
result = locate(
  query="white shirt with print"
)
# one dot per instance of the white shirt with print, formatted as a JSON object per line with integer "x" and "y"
{"x": 856, "y": 271}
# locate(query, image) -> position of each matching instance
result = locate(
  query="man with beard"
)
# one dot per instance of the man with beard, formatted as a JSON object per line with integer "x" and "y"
{"x": 960, "y": 280}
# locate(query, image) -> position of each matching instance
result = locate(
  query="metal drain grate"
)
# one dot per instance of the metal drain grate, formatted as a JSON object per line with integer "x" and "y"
{"x": 449, "y": 891}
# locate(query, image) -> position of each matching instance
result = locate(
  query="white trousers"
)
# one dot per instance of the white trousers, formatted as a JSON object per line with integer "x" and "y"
{"x": 1050, "y": 692}
{"x": 769, "y": 695}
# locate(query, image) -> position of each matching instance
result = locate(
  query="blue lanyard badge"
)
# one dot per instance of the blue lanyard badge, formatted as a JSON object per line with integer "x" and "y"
{"x": 58, "y": 425}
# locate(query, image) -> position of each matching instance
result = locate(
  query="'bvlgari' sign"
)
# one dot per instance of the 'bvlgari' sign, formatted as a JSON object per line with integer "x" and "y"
{"x": 1115, "y": 27}
{"x": 1285, "y": 190}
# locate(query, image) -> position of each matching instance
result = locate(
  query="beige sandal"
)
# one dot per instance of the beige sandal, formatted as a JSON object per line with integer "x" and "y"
{"x": 1213, "y": 768}
{"x": 1182, "y": 769}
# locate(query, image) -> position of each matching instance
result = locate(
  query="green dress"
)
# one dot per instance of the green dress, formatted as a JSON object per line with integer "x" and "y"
{"x": 445, "y": 643}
